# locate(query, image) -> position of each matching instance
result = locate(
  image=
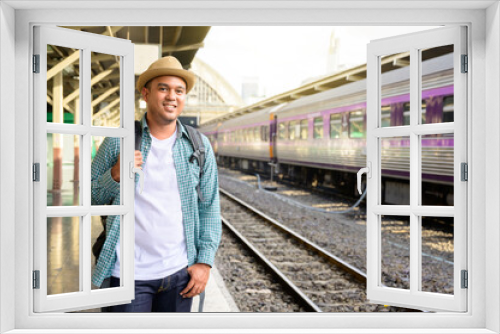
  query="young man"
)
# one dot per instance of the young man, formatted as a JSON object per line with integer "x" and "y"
{"x": 176, "y": 232}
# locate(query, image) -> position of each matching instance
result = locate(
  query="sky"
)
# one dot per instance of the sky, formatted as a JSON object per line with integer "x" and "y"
{"x": 283, "y": 57}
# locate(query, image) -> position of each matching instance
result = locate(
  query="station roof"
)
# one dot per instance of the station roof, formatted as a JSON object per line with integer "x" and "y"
{"x": 180, "y": 42}
{"x": 335, "y": 80}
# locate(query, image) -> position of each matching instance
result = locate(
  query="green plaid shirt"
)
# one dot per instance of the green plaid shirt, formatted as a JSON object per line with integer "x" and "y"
{"x": 201, "y": 219}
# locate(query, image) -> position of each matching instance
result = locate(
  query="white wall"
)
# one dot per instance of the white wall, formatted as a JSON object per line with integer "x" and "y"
{"x": 7, "y": 159}
{"x": 492, "y": 152}
{"x": 485, "y": 109}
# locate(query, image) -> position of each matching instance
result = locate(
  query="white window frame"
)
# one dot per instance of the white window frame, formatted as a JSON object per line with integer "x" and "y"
{"x": 414, "y": 44}
{"x": 86, "y": 43}
{"x": 484, "y": 50}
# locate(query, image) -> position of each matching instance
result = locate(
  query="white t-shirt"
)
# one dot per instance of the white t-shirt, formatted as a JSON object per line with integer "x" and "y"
{"x": 160, "y": 243}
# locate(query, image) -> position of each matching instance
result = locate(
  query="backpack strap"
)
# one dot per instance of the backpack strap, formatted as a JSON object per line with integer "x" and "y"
{"x": 138, "y": 135}
{"x": 198, "y": 153}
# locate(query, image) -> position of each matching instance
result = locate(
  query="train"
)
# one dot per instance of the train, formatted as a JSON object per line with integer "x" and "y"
{"x": 319, "y": 141}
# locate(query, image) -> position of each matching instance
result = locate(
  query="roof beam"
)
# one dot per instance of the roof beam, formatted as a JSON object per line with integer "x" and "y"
{"x": 61, "y": 65}
{"x": 103, "y": 96}
{"x": 94, "y": 80}
{"x": 176, "y": 48}
{"x": 175, "y": 40}
{"x": 353, "y": 77}
{"x": 400, "y": 62}
{"x": 106, "y": 108}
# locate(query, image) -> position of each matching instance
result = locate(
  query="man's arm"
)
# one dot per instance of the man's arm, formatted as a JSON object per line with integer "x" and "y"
{"x": 209, "y": 209}
{"x": 104, "y": 187}
{"x": 210, "y": 226}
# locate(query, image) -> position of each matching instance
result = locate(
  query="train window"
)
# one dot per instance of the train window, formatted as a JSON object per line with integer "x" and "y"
{"x": 256, "y": 133}
{"x": 406, "y": 113}
{"x": 304, "y": 127}
{"x": 434, "y": 94}
{"x": 448, "y": 109}
{"x": 357, "y": 124}
{"x": 385, "y": 118}
{"x": 292, "y": 125}
{"x": 318, "y": 128}
{"x": 423, "y": 112}
{"x": 282, "y": 130}
{"x": 335, "y": 125}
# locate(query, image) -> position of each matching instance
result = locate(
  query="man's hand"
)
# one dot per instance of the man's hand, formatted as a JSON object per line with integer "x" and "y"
{"x": 115, "y": 170}
{"x": 199, "y": 272}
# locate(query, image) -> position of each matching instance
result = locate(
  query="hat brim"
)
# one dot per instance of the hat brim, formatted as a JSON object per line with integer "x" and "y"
{"x": 189, "y": 77}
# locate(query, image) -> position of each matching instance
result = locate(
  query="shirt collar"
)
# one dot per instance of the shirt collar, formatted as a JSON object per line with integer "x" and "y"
{"x": 183, "y": 131}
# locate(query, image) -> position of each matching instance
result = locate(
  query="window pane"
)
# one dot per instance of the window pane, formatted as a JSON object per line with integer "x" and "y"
{"x": 437, "y": 254}
{"x": 63, "y": 255}
{"x": 105, "y": 90}
{"x": 437, "y": 84}
{"x": 395, "y": 164}
{"x": 357, "y": 124}
{"x": 304, "y": 129}
{"x": 63, "y": 85}
{"x": 318, "y": 128}
{"x": 335, "y": 125}
{"x": 395, "y": 88}
{"x": 63, "y": 170}
{"x": 100, "y": 166}
{"x": 437, "y": 169}
{"x": 395, "y": 242}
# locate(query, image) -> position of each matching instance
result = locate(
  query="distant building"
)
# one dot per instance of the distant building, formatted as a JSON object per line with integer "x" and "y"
{"x": 250, "y": 90}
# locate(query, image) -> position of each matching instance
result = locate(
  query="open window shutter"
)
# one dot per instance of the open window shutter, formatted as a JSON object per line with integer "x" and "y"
{"x": 427, "y": 70}
{"x": 62, "y": 229}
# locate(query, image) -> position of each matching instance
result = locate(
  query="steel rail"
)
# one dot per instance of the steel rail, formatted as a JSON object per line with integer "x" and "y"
{"x": 336, "y": 261}
{"x": 301, "y": 298}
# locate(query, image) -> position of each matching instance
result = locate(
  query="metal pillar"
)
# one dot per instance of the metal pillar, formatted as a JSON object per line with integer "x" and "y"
{"x": 76, "y": 170}
{"x": 57, "y": 138}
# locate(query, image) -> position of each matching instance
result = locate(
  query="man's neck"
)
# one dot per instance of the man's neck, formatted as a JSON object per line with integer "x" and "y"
{"x": 161, "y": 131}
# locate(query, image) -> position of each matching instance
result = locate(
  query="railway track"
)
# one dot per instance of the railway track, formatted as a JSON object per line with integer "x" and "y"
{"x": 318, "y": 280}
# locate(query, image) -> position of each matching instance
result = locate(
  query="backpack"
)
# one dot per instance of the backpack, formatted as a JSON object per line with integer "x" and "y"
{"x": 198, "y": 154}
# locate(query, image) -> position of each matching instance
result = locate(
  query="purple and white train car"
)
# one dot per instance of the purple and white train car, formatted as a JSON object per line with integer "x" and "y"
{"x": 321, "y": 139}
{"x": 247, "y": 138}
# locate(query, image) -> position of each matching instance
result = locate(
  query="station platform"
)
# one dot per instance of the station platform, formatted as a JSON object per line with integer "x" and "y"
{"x": 217, "y": 296}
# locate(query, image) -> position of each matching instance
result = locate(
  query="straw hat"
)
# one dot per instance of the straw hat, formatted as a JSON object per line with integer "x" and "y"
{"x": 166, "y": 66}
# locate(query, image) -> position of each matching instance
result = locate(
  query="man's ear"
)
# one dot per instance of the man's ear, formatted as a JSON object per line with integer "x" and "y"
{"x": 145, "y": 94}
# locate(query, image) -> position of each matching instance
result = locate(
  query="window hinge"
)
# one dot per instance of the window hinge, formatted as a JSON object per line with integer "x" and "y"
{"x": 465, "y": 171}
{"x": 36, "y": 279}
{"x": 36, "y": 172}
{"x": 36, "y": 63}
{"x": 465, "y": 279}
{"x": 465, "y": 64}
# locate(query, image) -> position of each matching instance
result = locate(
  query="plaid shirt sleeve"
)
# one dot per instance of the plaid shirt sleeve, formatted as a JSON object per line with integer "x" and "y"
{"x": 104, "y": 187}
{"x": 209, "y": 209}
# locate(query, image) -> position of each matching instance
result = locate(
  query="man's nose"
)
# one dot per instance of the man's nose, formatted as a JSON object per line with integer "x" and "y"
{"x": 171, "y": 95}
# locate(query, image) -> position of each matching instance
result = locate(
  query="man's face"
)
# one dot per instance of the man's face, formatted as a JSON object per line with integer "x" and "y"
{"x": 165, "y": 98}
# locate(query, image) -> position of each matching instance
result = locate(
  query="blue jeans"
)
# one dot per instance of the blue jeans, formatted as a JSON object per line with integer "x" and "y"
{"x": 161, "y": 295}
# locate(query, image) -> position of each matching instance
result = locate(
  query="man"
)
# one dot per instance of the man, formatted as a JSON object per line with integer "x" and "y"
{"x": 176, "y": 232}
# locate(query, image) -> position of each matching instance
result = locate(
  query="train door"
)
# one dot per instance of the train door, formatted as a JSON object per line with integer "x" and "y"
{"x": 272, "y": 137}
{"x": 421, "y": 137}
{"x": 65, "y": 128}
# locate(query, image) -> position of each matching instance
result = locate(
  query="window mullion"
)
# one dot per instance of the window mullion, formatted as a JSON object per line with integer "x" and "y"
{"x": 415, "y": 88}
